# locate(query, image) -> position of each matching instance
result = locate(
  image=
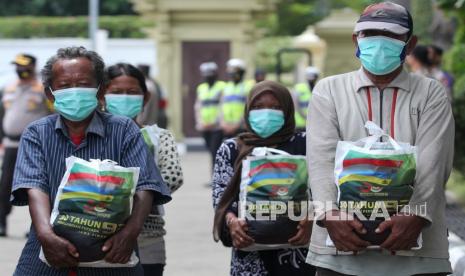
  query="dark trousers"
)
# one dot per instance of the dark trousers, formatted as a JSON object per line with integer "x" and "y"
{"x": 6, "y": 180}
{"x": 326, "y": 272}
{"x": 153, "y": 269}
{"x": 213, "y": 140}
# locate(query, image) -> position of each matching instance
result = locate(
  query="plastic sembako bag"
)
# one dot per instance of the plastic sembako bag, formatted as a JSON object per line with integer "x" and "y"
{"x": 93, "y": 202}
{"x": 273, "y": 197}
{"x": 374, "y": 179}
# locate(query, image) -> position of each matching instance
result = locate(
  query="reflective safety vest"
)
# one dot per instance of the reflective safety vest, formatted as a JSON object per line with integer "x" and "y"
{"x": 234, "y": 100}
{"x": 303, "y": 94}
{"x": 209, "y": 98}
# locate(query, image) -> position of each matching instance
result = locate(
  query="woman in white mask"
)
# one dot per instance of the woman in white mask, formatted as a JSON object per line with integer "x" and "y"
{"x": 126, "y": 94}
{"x": 269, "y": 118}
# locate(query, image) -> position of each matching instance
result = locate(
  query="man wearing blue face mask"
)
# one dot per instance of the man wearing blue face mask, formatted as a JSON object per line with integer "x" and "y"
{"x": 411, "y": 109}
{"x": 73, "y": 80}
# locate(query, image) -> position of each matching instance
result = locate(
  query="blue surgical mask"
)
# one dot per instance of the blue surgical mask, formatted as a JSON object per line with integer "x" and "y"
{"x": 124, "y": 105}
{"x": 266, "y": 122}
{"x": 76, "y": 103}
{"x": 380, "y": 55}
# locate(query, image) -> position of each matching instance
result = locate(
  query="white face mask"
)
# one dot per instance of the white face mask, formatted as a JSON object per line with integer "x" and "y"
{"x": 266, "y": 122}
{"x": 76, "y": 103}
{"x": 380, "y": 55}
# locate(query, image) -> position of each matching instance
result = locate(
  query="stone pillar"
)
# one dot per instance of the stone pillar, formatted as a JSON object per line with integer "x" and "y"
{"x": 337, "y": 31}
{"x": 309, "y": 40}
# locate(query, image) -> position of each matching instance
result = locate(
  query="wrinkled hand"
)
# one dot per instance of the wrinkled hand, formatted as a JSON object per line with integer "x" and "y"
{"x": 238, "y": 229}
{"x": 341, "y": 228}
{"x": 405, "y": 230}
{"x": 120, "y": 246}
{"x": 304, "y": 232}
{"x": 59, "y": 252}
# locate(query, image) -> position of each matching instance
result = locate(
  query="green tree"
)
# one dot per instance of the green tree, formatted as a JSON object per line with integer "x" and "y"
{"x": 293, "y": 16}
{"x": 356, "y": 5}
{"x": 62, "y": 7}
{"x": 122, "y": 26}
{"x": 422, "y": 14}
{"x": 454, "y": 62}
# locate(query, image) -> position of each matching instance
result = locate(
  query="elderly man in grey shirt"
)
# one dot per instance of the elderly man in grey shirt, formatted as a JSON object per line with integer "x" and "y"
{"x": 412, "y": 109}
{"x": 24, "y": 102}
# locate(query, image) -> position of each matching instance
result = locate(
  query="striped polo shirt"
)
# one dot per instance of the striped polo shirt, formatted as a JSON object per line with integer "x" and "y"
{"x": 46, "y": 144}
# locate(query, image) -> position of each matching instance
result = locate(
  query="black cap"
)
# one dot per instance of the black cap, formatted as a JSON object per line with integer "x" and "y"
{"x": 24, "y": 60}
{"x": 385, "y": 16}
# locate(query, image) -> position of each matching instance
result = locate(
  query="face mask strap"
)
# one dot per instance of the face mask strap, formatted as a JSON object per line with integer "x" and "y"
{"x": 403, "y": 54}
{"x": 357, "y": 51}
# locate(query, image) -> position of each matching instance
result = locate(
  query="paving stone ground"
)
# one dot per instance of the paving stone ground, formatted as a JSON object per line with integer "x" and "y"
{"x": 190, "y": 248}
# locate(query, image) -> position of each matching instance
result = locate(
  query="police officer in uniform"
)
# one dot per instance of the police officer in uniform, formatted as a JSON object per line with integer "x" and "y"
{"x": 23, "y": 101}
{"x": 207, "y": 107}
{"x": 302, "y": 95}
{"x": 234, "y": 98}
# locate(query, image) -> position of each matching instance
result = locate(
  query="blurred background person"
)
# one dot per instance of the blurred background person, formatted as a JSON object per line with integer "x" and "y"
{"x": 419, "y": 62}
{"x": 155, "y": 109}
{"x": 126, "y": 95}
{"x": 302, "y": 94}
{"x": 24, "y": 101}
{"x": 234, "y": 98}
{"x": 312, "y": 74}
{"x": 422, "y": 62}
{"x": 207, "y": 107}
{"x": 435, "y": 56}
{"x": 260, "y": 75}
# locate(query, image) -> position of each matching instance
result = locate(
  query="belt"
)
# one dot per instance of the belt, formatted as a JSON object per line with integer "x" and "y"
{"x": 303, "y": 104}
{"x": 210, "y": 102}
{"x": 235, "y": 98}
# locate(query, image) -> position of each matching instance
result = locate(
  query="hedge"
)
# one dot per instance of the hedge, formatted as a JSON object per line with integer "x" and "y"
{"x": 72, "y": 26}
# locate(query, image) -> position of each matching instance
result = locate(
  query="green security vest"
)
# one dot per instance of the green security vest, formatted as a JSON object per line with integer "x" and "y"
{"x": 234, "y": 100}
{"x": 304, "y": 94}
{"x": 209, "y": 98}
